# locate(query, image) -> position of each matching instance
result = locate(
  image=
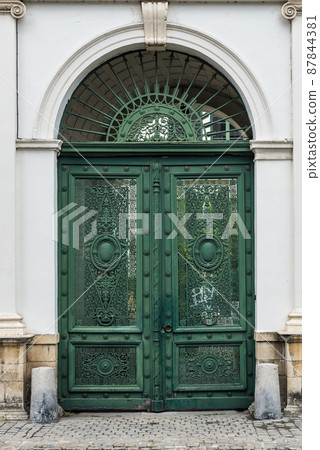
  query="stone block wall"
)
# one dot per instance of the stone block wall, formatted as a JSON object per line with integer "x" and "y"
{"x": 294, "y": 371}
{"x": 286, "y": 352}
{"x": 13, "y": 357}
{"x": 19, "y": 355}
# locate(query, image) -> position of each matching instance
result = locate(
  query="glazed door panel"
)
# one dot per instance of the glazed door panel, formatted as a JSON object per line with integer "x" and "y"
{"x": 102, "y": 287}
{"x": 208, "y": 293}
{"x": 156, "y": 283}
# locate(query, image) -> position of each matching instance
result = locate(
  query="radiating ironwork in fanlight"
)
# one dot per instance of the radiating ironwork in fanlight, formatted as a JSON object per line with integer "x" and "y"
{"x": 144, "y": 96}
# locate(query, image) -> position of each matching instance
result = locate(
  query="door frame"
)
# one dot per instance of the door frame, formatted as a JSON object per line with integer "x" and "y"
{"x": 223, "y": 156}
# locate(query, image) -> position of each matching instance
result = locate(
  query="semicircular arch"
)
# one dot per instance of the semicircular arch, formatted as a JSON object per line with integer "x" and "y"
{"x": 130, "y": 38}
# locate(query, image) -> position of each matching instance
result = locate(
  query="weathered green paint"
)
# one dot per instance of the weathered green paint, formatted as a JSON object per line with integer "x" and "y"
{"x": 177, "y": 358}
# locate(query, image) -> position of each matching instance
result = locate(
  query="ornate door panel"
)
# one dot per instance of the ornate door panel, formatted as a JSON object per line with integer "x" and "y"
{"x": 102, "y": 289}
{"x": 160, "y": 317}
{"x": 208, "y": 285}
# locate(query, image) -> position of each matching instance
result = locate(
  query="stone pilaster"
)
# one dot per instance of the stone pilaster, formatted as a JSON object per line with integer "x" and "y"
{"x": 273, "y": 232}
{"x": 10, "y": 321}
{"x": 13, "y": 338}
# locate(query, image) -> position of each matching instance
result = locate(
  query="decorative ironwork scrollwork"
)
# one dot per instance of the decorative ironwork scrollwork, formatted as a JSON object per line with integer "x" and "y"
{"x": 155, "y": 97}
{"x": 216, "y": 364}
{"x": 207, "y": 252}
{"x": 209, "y": 364}
{"x": 107, "y": 252}
{"x": 207, "y": 264}
{"x": 107, "y": 264}
{"x": 106, "y": 367}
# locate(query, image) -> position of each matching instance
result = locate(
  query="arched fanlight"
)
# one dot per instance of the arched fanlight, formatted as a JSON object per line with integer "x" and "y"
{"x": 155, "y": 96}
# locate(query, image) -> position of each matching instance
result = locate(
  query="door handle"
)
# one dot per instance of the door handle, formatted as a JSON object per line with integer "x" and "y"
{"x": 167, "y": 328}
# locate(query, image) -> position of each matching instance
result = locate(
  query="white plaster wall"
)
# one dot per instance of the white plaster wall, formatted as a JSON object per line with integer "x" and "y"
{"x": 36, "y": 249}
{"x": 273, "y": 243}
{"x": 260, "y": 36}
{"x": 48, "y": 36}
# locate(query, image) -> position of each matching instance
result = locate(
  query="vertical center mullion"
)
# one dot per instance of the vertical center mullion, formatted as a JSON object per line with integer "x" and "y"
{"x": 167, "y": 268}
{"x": 155, "y": 228}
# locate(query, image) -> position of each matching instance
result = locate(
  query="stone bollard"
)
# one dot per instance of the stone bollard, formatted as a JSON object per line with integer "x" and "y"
{"x": 44, "y": 406}
{"x": 267, "y": 392}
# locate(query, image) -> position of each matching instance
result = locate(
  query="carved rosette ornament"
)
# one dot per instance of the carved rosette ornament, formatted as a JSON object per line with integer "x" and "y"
{"x": 292, "y": 9}
{"x": 16, "y": 8}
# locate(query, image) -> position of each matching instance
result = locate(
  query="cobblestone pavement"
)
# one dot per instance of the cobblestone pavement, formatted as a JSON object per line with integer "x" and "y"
{"x": 146, "y": 431}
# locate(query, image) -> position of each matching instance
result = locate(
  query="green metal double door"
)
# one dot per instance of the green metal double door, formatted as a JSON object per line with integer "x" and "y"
{"x": 156, "y": 297}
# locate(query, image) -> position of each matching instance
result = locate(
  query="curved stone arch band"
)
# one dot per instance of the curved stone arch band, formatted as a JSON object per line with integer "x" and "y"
{"x": 115, "y": 42}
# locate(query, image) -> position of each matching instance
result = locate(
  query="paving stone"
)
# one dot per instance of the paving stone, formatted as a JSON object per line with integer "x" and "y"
{"x": 151, "y": 431}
